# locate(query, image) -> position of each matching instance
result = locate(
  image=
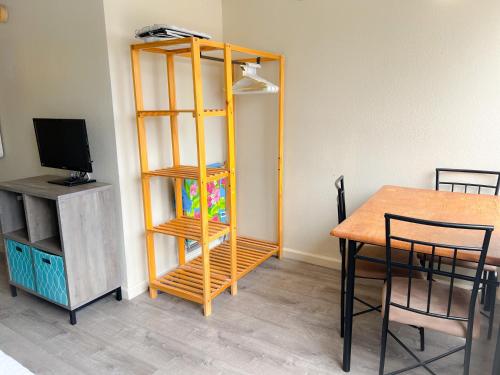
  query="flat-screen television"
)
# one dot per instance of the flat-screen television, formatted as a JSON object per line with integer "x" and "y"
{"x": 63, "y": 144}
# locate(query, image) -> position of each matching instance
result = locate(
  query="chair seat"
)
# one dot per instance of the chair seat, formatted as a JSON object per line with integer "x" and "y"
{"x": 439, "y": 303}
{"x": 371, "y": 270}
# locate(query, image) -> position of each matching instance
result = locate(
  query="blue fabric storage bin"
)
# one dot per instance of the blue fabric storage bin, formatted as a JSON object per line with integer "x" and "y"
{"x": 20, "y": 264}
{"x": 50, "y": 276}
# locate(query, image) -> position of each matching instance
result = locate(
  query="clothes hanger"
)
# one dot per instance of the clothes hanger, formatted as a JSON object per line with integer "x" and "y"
{"x": 252, "y": 83}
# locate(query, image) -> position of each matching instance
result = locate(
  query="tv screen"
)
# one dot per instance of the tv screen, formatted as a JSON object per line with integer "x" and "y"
{"x": 63, "y": 144}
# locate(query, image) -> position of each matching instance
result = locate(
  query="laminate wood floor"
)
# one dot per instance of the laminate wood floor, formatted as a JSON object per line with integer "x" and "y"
{"x": 284, "y": 320}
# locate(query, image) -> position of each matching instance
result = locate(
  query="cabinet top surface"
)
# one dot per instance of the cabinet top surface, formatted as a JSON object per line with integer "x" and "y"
{"x": 39, "y": 186}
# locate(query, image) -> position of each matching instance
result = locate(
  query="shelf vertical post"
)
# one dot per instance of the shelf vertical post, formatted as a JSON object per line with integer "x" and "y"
{"x": 202, "y": 182}
{"x": 172, "y": 101}
{"x": 146, "y": 189}
{"x": 231, "y": 165}
{"x": 280, "y": 153}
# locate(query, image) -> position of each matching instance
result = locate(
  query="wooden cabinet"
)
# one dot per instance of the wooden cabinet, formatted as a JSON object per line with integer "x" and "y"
{"x": 61, "y": 242}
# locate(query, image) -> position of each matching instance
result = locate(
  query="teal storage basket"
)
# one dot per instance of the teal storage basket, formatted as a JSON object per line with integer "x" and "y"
{"x": 50, "y": 277}
{"x": 20, "y": 264}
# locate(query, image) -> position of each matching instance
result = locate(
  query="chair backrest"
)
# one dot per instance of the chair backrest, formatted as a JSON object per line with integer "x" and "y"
{"x": 341, "y": 211}
{"x": 476, "y": 187}
{"x": 412, "y": 225}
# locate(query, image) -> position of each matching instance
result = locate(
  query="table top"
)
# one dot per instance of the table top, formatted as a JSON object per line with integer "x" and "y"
{"x": 367, "y": 223}
{"x": 39, "y": 187}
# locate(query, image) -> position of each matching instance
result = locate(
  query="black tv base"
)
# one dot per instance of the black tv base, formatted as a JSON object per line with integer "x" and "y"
{"x": 72, "y": 181}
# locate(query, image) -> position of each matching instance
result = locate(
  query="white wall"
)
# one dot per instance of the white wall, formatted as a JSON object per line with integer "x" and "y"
{"x": 380, "y": 91}
{"x": 123, "y": 17}
{"x": 53, "y": 63}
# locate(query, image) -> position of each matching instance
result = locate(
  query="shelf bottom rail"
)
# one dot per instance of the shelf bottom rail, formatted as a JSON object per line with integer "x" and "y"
{"x": 186, "y": 281}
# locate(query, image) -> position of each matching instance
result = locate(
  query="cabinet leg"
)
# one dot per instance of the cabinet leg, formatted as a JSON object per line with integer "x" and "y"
{"x": 13, "y": 291}
{"x": 72, "y": 317}
{"x": 119, "y": 294}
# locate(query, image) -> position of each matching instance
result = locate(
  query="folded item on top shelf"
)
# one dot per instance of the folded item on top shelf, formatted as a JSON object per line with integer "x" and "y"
{"x": 161, "y": 31}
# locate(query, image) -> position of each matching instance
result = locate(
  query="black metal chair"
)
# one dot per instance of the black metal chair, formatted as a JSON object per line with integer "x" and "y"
{"x": 490, "y": 274}
{"x": 438, "y": 305}
{"x": 364, "y": 269}
{"x": 480, "y": 188}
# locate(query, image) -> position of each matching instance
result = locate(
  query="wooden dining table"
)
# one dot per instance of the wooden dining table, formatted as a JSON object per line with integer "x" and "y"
{"x": 367, "y": 225}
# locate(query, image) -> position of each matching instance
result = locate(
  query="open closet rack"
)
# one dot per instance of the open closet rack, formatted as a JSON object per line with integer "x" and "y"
{"x": 205, "y": 277}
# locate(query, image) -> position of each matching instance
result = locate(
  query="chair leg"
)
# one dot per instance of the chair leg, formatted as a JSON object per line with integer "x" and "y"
{"x": 383, "y": 342}
{"x": 342, "y": 295}
{"x": 468, "y": 346}
{"x": 468, "y": 350}
{"x": 488, "y": 292}
{"x": 421, "y": 330}
{"x": 496, "y": 358}
{"x": 492, "y": 301}
{"x": 423, "y": 260}
{"x": 483, "y": 288}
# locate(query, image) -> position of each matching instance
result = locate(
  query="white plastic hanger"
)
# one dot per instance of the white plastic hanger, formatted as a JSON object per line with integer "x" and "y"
{"x": 251, "y": 83}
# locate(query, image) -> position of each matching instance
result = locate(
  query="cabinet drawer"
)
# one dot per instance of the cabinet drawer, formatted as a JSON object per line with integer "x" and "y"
{"x": 50, "y": 276}
{"x": 20, "y": 264}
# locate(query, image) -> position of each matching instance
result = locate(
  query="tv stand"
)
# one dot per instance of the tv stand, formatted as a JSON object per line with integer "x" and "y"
{"x": 78, "y": 179}
{"x": 71, "y": 181}
{"x": 61, "y": 242}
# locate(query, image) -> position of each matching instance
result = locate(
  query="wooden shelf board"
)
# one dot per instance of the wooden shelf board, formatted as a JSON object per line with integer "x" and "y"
{"x": 20, "y": 235}
{"x": 188, "y": 172}
{"x": 168, "y": 112}
{"x": 183, "y": 46}
{"x": 177, "y": 291}
{"x": 190, "y": 228}
{"x": 163, "y": 112}
{"x": 186, "y": 281}
{"x": 215, "y": 112}
{"x": 162, "y": 43}
{"x": 51, "y": 245}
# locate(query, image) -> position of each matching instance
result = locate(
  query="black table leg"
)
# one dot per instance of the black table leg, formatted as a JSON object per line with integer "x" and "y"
{"x": 349, "y": 301}
{"x": 496, "y": 360}
{"x": 13, "y": 291}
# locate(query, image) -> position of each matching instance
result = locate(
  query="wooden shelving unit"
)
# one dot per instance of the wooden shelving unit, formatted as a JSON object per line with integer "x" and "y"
{"x": 205, "y": 277}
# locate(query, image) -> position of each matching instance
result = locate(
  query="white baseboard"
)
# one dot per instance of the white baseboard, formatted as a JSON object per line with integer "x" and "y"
{"x": 319, "y": 260}
{"x": 134, "y": 291}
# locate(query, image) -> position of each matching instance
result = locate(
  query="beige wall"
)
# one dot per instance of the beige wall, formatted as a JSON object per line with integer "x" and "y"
{"x": 380, "y": 91}
{"x": 53, "y": 63}
{"x": 122, "y": 19}
{"x": 47, "y": 70}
